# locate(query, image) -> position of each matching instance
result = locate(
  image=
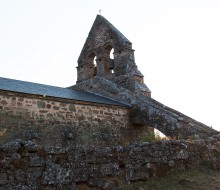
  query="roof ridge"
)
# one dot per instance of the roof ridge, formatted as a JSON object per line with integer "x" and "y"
{"x": 13, "y": 85}
{"x": 30, "y": 82}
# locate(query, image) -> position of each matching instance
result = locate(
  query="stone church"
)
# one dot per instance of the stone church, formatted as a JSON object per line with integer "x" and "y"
{"x": 109, "y": 104}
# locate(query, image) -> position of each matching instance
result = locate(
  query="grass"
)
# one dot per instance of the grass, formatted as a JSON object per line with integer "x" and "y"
{"x": 202, "y": 178}
{"x": 153, "y": 136}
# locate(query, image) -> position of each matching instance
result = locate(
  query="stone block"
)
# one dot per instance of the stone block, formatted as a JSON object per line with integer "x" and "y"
{"x": 3, "y": 179}
{"x": 56, "y": 174}
{"x": 55, "y": 150}
{"x": 3, "y": 102}
{"x": 20, "y": 175}
{"x": 34, "y": 172}
{"x": 56, "y": 107}
{"x": 32, "y": 146}
{"x": 48, "y": 106}
{"x": 35, "y": 160}
{"x": 11, "y": 146}
{"x": 43, "y": 111}
{"x": 110, "y": 169}
{"x": 20, "y": 99}
{"x": 41, "y": 104}
{"x": 72, "y": 108}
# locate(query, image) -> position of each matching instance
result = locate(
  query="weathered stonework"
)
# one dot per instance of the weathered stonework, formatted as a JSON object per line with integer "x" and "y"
{"x": 26, "y": 165}
{"x": 60, "y": 112}
{"x": 122, "y": 70}
{"x": 60, "y": 122}
{"x": 167, "y": 120}
{"x": 66, "y": 143}
{"x": 126, "y": 83}
{"x": 117, "y": 79}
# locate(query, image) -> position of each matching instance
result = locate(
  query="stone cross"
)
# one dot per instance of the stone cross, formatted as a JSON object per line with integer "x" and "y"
{"x": 100, "y": 11}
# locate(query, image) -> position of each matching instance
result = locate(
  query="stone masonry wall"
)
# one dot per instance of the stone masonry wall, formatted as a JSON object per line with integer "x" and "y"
{"x": 62, "y": 122}
{"x": 24, "y": 165}
{"x": 60, "y": 112}
{"x": 170, "y": 122}
{"x": 102, "y": 37}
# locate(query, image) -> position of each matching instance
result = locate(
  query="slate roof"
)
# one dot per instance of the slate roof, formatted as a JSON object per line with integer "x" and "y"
{"x": 53, "y": 91}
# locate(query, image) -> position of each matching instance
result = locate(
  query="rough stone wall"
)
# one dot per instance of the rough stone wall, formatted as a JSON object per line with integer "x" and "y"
{"x": 126, "y": 83}
{"x": 26, "y": 165}
{"x": 63, "y": 112}
{"x": 102, "y": 38}
{"x": 172, "y": 123}
{"x": 60, "y": 122}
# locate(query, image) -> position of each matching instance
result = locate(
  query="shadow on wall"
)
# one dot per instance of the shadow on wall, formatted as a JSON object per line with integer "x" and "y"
{"x": 106, "y": 132}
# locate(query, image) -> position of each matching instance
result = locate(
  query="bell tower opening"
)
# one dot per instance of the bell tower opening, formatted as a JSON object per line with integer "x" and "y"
{"x": 95, "y": 65}
{"x": 91, "y": 60}
{"x": 109, "y": 54}
{"x": 112, "y": 53}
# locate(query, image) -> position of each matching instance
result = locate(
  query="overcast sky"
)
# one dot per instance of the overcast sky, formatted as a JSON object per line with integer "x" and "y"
{"x": 176, "y": 43}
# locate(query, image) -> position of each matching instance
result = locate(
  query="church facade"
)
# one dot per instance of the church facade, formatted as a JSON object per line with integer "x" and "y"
{"x": 109, "y": 104}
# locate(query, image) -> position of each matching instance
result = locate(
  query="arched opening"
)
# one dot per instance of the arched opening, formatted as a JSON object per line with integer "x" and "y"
{"x": 95, "y": 66}
{"x": 139, "y": 118}
{"x": 112, "y": 53}
{"x": 111, "y": 63}
{"x": 109, "y": 52}
{"x": 152, "y": 135}
{"x": 159, "y": 135}
{"x": 91, "y": 61}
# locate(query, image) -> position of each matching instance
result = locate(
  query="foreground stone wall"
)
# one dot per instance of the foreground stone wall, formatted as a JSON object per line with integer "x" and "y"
{"x": 26, "y": 165}
{"x": 60, "y": 122}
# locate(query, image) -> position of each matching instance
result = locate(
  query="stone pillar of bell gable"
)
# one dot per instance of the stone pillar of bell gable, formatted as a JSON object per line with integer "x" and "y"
{"x": 103, "y": 64}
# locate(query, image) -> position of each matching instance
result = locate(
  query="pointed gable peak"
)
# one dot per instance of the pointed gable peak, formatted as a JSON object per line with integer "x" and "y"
{"x": 103, "y": 34}
{"x": 96, "y": 59}
{"x": 101, "y": 19}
